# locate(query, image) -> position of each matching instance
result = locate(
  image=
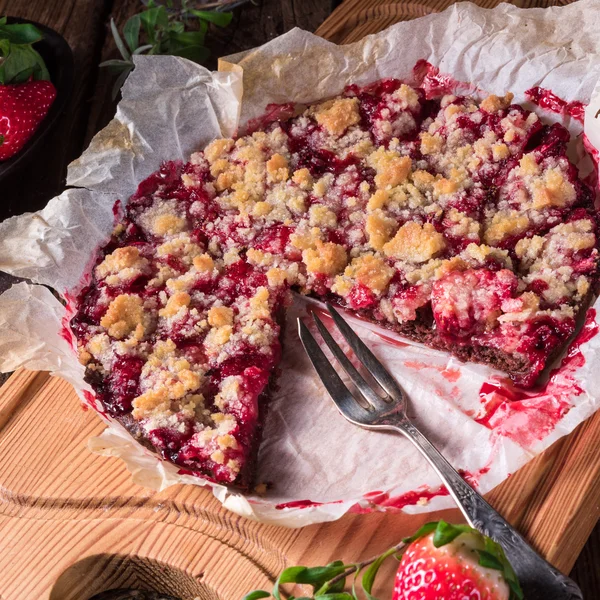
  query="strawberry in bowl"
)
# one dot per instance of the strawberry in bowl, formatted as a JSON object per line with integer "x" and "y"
{"x": 26, "y": 92}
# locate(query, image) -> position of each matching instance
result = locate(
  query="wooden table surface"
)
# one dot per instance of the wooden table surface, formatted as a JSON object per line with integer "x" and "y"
{"x": 84, "y": 23}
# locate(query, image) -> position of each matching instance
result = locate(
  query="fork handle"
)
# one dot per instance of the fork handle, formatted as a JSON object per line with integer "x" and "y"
{"x": 480, "y": 515}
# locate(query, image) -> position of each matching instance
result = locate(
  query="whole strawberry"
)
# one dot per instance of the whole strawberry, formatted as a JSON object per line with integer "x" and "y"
{"x": 23, "y": 107}
{"x": 454, "y": 562}
{"x": 26, "y": 92}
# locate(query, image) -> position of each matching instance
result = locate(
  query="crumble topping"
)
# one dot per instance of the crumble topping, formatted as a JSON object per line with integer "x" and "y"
{"x": 379, "y": 228}
{"x": 337, "y": 115}
{"x": 455, "y": 222}
{"x": 125, "y": 315}
{"x": 122, "y": 265}
{"x": 368, "y": 270}
{"x": 392, "y": 169}
{"x": 504, "y": 224}
{"x": 415, "y": 243}
{"x": 326, "y": 257}
{"x": 494, "y": 104}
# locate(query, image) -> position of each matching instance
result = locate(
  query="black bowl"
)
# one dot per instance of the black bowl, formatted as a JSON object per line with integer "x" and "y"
{"x": 58, "y": 57}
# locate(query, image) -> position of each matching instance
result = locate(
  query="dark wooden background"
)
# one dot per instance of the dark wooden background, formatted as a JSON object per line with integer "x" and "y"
{"x": 85, "y": 25}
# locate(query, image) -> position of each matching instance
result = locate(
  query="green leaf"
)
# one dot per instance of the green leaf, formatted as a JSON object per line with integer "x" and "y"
{"x": 176, "y": 26}
{"x": 337, "y": 596}
{"x": 117, "y": 66}
{"x": 154, "y": 19}
{"x": 20, "y": 33}
{"x": 287, "y": 576}
{"x": 197, "y": 54}
{"x": 354, "y": 580}
{"x": 4, "y": 47}
{"x": 116, "y": 62}
{"x": 446, "y": 533}
{"x": 1, "y": 139}
{"x": 41, "y": 71}
{"x": 142, "y": 49}
{"x": 131, "y": 32}
{"x": 369, "y": 575}
{"x": 20, "y": 63}
{"x": 256, "y": 595}
{"x": 317, "y": 577}
{"x": 493, "y": 557}
{"x": 326, "y": 587}
{"x": 156, "y": 49}
{"x": 118, "y": 41}
{"x": 120, "y": 81}
{"x": 489, "y": 561}
{"x": 221, "y": 19}
{"x": 338, "y": 586}
{"x": 189, "y": 38}
{"x": 422, "y": 532}
{"x": 516, "y": 593}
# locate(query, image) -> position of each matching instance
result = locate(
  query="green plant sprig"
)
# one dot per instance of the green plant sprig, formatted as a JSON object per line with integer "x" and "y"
{"x": 328, "y": 582}
{"x": 161, "y": 29}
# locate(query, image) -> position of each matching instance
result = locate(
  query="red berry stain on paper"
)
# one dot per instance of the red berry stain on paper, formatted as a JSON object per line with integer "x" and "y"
{"x": 451, "y": 375}
{"x": 299, "y": 504}
{"x": 592, "y": 178}
{"x": 420, "y": 496}
{"x": 391, "y": 340}
{"x": 549, "y": 101}
{"x": 65, "y": 330}
{"x": 527, "y": 416}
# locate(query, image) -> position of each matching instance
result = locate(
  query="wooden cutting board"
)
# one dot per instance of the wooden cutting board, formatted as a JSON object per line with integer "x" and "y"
{"x": 72, "y": 524}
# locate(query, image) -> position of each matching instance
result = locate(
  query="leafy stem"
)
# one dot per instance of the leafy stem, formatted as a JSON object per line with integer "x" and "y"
{"x": 358, "y": 567}
{"x": 163, "y": 29}
{"x": 328, "y": 582}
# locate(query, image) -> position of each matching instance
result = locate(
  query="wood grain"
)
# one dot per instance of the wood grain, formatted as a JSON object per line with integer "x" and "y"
{"x": 72, "y": 524}
{"x": 84, "y": 513}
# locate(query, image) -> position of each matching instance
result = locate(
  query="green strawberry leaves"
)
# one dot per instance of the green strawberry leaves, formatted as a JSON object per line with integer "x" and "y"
{"x": 492, "y": 557}
{"x": 19, "y": 33}
{"x": 19, "y": 61}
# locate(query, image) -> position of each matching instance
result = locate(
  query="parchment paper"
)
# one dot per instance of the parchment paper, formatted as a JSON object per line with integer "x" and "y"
{"x": 172, "y": 107}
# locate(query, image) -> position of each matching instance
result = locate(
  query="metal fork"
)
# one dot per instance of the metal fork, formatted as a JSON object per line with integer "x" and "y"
{"x": 538, "y": 578}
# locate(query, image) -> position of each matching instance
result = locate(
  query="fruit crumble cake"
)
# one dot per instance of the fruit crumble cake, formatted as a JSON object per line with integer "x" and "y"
{"x": 458, "y": 224}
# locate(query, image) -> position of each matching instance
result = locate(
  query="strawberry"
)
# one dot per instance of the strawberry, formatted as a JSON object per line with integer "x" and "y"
{"x": 454, "y": 562}
{"x": 23, "y": 106}
{"x": 25, "y": 90}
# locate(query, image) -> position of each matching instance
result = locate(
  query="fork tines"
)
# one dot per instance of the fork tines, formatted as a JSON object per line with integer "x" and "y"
{"x": 329, "y": 376}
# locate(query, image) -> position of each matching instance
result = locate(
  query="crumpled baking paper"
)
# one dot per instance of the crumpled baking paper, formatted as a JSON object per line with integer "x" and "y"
{"x": 317, "y": 465}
